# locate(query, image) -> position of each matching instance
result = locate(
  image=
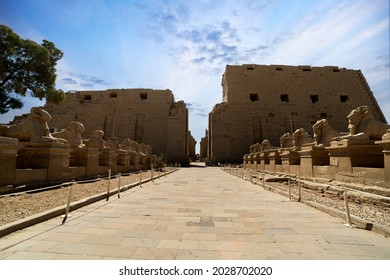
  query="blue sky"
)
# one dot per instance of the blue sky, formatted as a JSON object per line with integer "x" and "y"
{"x": 184, "y": 46}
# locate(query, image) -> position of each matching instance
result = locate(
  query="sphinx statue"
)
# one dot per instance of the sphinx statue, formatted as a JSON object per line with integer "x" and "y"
{"x": 33, "y": 129}
{"x": 386, "y": 136}
{"x": 145, "y": 149}
{"x": 324, "y": 133}
{"x": 131, "y": 146}
{"x": 96, "y": 140}
{"x": 255, "y": 148}
{"x": 266, "y": 145}
{"x": 113, "y": 144}
{"x": 363, "y": 126}
{"x": 301, "y": 138}
{"x": 72, "y": 134}
{"x": 286, "y": 141}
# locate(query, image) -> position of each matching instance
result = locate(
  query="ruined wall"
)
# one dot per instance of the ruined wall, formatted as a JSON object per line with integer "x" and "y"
{"x": 203, "y": 146}
{"x": 264, "y": 102}
{"x": 191, "y": 146}
{"x": 144, "y": 115}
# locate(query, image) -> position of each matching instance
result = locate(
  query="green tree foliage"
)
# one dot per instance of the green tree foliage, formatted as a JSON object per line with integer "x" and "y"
{"x": 26, "y": 68}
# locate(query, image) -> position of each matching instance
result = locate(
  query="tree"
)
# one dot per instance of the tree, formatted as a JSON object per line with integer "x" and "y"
{"x": 26, "y": 68}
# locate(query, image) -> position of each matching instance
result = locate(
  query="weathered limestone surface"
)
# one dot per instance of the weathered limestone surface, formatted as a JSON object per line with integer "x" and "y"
{"x": 350, "y": 157}
{"x": 33, "y": 129}
{"x": 203, "y": 147}
{"x": 385, "y": 144}
{"x": 263, "y": 102}
{"x": 144, "y": 115}
{"x": 34, "y": 156}
{"x": 72, "y": 134}
{"x": 8, "y": 150}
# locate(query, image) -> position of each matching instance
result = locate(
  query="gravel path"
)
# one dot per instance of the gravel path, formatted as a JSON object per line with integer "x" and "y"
{"x": 369, "y": 210}
{"x": 16, "y": 207}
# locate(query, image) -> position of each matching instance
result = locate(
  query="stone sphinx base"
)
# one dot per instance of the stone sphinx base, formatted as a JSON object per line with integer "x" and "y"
{"x": 54, "y": 157}
{"x": 8, "y": 150}
{"x": 108, "y": 158}
{"x": 289, "y": 158}
{"x": 123, "y": 158}
{"x": 87, "y": 157}
{"x": 385, "y": 145}
{"x": 250, "y": 161}
{"x": 348, "y": 153}
{"x": 263, "y": 160}
{"x": 274, "y": 159}
{"x": 310, "y": 156}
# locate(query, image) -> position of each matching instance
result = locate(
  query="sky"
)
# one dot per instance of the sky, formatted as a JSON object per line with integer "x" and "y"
{"x": 185, "y": 45}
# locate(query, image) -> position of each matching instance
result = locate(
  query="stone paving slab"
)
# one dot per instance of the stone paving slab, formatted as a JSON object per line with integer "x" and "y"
{"x": 195, "y": 213}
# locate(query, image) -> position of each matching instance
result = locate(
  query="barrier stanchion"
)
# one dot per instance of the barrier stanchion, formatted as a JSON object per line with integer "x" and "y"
{"x": 299, "y": 189}
{"x": 347, "y": 209}
{"x": 68, "y": 204}
{"x": 140, "y": 179}
{"x": 119, "y": 185}
{"x": 263, "y": 180}
{"x": 108, "y": 184}
{"x": 151, "y": 172}
{"x": 289, "y": 188}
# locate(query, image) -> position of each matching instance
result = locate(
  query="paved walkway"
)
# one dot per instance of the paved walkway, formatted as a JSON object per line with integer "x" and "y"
{"x": 195, "y": 213}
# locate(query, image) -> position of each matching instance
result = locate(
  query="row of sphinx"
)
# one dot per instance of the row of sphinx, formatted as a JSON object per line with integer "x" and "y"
{"x": 35, "y": 129}
{"x": 362, "y": 126}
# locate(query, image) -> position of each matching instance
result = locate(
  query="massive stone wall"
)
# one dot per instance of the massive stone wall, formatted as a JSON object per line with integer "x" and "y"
{"x": 263, "y": 102}
{"x": 191, "y": 147}
{"x": 143, "y": 115}
{"x": 203, "y": 147}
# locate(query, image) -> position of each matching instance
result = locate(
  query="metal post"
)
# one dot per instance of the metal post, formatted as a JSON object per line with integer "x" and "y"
{"x": 289, "y": 188}
{"x": 263, "y": 181}
{"x": 140, "y": 179}
{"x": 108, "y": 184}
{"x": 68, "y": 204}
{"x": 242, "y": 173}
{"x": 119, "y": 185}
{"x": 347, "y": 208}
{"x": 151, "y": 172}
{"x": 251, "y": 177}
{"x": 299, "y": 189}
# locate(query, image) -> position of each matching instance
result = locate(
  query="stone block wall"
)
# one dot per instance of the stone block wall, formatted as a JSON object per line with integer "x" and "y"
{"x": 191, "y": 147}
{"x": 264, "y": 102}
{"x": 147, "y": 116}
{"x": 203, "y": 146}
